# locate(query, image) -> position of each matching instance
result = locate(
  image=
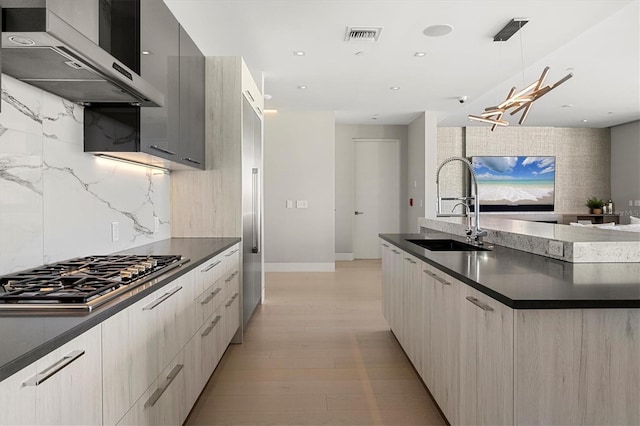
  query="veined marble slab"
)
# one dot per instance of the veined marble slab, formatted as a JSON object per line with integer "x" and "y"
{"x": 58, "y": 202}
{"x": 580, "y": 245}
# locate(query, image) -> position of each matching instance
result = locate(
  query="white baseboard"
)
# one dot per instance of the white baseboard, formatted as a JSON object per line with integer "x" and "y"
{"x": 300, "y": 267}
{"x": 345, "y": 256}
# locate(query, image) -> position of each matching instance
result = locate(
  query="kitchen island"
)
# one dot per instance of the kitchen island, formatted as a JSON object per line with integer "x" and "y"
{"x": 174, "y": 327}
{"x": 509, "y": 337}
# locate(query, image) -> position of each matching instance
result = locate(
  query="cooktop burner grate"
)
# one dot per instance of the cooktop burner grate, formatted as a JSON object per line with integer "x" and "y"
{"x": 83, "y": 282}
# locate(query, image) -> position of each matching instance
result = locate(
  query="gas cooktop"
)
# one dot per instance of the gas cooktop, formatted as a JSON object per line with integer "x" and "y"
{"x": 81, "y": 284}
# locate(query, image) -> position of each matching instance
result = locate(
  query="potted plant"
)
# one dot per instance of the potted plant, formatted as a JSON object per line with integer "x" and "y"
{"x": 595, "y": 205}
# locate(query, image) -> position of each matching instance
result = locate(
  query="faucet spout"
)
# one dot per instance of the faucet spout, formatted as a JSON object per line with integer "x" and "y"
{"x": 477, "y": 233}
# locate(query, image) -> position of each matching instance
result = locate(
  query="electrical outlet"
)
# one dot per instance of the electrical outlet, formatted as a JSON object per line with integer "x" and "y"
{"x": 115, "y": 231}
{"x": 301, "y": 204}
{"x": 289, "y": 204}
{"x": 636, "y": 203}
{"x": 156, "y": 224}
{"x": 556, "y": 248}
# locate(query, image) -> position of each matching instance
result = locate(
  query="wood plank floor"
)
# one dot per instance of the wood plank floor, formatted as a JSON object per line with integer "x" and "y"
{"x": 317, "y": 352}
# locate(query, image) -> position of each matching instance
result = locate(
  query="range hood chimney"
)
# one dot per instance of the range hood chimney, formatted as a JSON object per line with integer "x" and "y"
{"x": 41, "y": 48}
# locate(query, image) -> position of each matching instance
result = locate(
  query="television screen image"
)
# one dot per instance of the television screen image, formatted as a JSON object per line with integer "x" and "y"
{"x": 515, "y": 183}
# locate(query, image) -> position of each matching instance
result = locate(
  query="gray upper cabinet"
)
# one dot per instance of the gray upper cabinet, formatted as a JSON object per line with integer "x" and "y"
{"x": 160, "y": 66}
{"x": 172, "y": 62}
{"x": 192, "y": 102}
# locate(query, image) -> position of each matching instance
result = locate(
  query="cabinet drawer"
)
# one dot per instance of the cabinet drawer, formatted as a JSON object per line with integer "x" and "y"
{"x": 210, "y": 272}
{"x": 18, "y": 402}
{"x": 231, "y": 283}
{"x": 163, "y": 403}
{"x": 68, "y": 383}
{"x": 232, "y": 259}
{"x": 209, "y": 301}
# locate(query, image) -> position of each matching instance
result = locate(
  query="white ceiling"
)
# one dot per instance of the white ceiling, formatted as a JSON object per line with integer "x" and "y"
{"x": 599, "y": 39}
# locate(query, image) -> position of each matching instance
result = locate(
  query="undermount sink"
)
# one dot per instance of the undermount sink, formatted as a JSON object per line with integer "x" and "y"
{"x": 446, "y": 245}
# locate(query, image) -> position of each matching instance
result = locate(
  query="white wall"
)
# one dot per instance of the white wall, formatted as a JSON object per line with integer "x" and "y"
{"x": 299, "y": 164}
{"x": 625, "y": 169}
{"x": 56, "y": 202}
{"x": 345, "y": 183}
{"x": 415, "y": 172}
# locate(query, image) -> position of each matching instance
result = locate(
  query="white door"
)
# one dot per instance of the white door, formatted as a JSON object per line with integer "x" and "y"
{"x": 377, "y": 198}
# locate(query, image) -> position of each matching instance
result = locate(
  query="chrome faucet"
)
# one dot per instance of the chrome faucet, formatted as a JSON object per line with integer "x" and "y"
{"x": 467, "y": 210}
{"x": 477, "y": 232}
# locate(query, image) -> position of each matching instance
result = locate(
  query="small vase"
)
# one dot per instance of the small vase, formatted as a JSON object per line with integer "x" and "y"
{"x": 596, "y": 211}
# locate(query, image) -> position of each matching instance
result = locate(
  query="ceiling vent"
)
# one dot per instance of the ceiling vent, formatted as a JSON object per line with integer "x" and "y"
{"x": 363, "y": 34}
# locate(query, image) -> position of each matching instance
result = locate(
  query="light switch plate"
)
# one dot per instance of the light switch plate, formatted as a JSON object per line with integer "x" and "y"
{"x": 556, "y": 248}
{"x": 301, "y": 204}
{"x": 115, "y": 231}
{"x": 289, "y": 204}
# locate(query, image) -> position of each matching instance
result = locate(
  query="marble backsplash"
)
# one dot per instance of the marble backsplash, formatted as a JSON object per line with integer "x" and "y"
{"x": 57, "y": 202}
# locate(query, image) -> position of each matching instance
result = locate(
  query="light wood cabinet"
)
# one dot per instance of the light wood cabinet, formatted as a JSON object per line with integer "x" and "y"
{"x": 396, "y": 293}
{"x": 63, "y": 387}
{"x": 486, "y": 360}
{"x": 577, "y": 366}
{"x": 445, "y": 344}
{"x": 412, "y": 313}
{"x": 18, "y": 402}
{"x": 487, "y": 364}
{"x": 386, "y": 281}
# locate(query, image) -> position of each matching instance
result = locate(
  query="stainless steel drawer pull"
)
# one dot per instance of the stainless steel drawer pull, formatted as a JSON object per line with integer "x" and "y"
{"x": 233, "y": 252}
{"x": 210, "y": 267}
{"x": 250, "y": 96}
{"x": 158, "y": 392}
{"x": 259, "y": 110}
{"x": 207, "y": 330}
{"x": 53, "y": 369}
{"x": 479, "y": 304}
{"x": 166, "y": 151}
{"x": 215, "y": 292}
{"x": 216, "y": 320}
{"x": 413, "y": 262}
{"x": 207, "y": 299}
{"x": 230, "y": 302}
{"x": 161, "y": 299}
{"x": 442, "y": 280}
{"x": 231, "y": 277}
{"x": 191, "y": 160}
{"x": 431, "y": 274}
{"x": 396, "y": 252}
{"x": 213, "y": 324}
{"x": 385, "y": 245}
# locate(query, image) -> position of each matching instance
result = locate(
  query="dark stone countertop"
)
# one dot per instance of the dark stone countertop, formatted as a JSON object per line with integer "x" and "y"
{"x": 523, "y": 280}
{"x": 26, "y": 338}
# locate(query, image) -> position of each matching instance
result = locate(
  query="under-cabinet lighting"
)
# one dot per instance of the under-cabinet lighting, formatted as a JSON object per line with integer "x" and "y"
{"x": 270, "y": 111}
{"x": 135, "y": 163}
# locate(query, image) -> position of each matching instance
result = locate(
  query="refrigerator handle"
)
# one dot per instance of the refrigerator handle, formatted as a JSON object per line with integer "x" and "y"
{"x": 256, "y": 232}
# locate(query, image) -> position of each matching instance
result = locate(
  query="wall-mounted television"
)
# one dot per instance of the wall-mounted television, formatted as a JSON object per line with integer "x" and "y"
{"x": 507, "y": 184}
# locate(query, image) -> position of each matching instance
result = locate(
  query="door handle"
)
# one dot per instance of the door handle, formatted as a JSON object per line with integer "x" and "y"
{"x": 357, "y": 213}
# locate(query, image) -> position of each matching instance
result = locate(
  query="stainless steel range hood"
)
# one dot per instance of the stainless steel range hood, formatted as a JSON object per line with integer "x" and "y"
{"x": 40, "y": 48}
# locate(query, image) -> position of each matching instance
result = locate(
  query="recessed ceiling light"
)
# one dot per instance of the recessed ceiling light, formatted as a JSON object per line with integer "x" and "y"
{"x": 570, "y": 69}
{"x": 374, "y": 118}
{"x": 585, "y": 120}
{"x": 298, "y": 53}
{"x": 438, "y": 30}
{"x": 610, "y": 112}
{"x": 394, "y": 88}
{"x": 360, "y": 53}
{"x": 567, "y": 105}
{"x": 146, "y": 52}
{"x": 419, "y": 54}
{"x": 302, "y": 87}
{"x": 267, "y": 97}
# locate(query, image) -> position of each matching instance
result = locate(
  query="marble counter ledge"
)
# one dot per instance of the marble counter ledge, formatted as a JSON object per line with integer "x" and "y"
{"x": 579, "y": 245}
